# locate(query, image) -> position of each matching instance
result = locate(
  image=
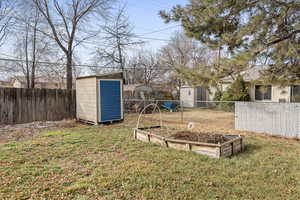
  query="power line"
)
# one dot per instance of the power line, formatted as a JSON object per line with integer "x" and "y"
{"x": 151, "y": 38}
{"x": 21, "y": 28}
{"x": 160, "y": 30}
{"x": 89, "y": 65}
{"x": 8, "y": 55}
{"x": 74, "y": 65}
{"x": 139, "y": 36}
{"x": 93, "y": 66}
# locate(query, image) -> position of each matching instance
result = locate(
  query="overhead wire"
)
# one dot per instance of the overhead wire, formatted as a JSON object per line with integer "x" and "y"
{"x": 140, "y": 36}
{"x": 13, "y": 59}
{"x": 85, "y": 65}
{"x": 21, "y": 28}
{"x": 160, "y": 30}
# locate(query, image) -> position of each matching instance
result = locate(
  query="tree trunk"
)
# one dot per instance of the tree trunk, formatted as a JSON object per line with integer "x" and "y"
{"x": 27, "y": 60}
{"x": 120, "y": 54}
{"x": 121, "y": 59}
{"x": 69, "y": 71}
{"x": 33, "y": 69}
{"x": 33, "y": 75}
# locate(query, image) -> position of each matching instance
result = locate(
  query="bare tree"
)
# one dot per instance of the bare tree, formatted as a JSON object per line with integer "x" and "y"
{"x": 66, "y": 20}
{"x": 55, "y": 69}
{"x": 6, "y": 9}
{"x": 118, "y": 35}
{"x": 183, "y": 53}
{"x": 145, "y": 67}
{"x": 30, "y": 45}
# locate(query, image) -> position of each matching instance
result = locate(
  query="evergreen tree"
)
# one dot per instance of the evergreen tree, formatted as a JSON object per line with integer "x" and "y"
{"x": 237, "y": 91}
{"x": 252, "y": 31}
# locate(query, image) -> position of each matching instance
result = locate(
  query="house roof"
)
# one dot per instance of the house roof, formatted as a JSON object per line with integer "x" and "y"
{"x": 40, "y": 79}
{"x": 248, "y": 75}
{"x": 5, "y": 84}
{"x": 251, "y": 74}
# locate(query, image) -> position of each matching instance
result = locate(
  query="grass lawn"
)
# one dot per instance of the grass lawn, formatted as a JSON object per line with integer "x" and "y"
{"x": 88, "y": 162}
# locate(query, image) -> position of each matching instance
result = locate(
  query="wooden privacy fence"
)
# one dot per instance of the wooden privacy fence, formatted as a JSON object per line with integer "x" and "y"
{"x": 20, "y": 105}
{"x": 271, "y": 118}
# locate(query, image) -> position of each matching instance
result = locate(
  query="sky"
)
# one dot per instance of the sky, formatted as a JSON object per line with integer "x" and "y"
{"x": 143, "y": 15}
{"x": 148, "y": 26}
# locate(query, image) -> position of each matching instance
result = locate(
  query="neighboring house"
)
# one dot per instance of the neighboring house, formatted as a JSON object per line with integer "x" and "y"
{"x": 40, "y": 82}
{"x": 258, "y": 92}
{"x": 137, "y": 91}
{"x": 5, "y": 84}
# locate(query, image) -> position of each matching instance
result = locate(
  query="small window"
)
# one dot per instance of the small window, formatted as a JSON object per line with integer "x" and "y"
{"x": 295, "y": 93}
{"x": 190, "y": 93}
{"x": 263, "y": 92}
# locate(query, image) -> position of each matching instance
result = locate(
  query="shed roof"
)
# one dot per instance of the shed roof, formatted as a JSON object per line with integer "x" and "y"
{"x": 115, "y": 75}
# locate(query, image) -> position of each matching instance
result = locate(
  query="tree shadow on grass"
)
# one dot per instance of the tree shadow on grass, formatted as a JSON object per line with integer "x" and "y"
{"x": 251, "y": 148}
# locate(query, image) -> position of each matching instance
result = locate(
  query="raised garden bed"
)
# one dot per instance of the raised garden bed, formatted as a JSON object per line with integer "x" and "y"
{"x": 213, "y": 145}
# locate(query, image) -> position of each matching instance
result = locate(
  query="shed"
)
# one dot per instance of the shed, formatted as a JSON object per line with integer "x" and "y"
{"x": 193, "y": 96}
{"x": 100, "y": 98}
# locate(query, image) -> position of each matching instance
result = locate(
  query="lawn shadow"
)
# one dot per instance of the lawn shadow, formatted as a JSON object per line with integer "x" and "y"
{"x": 251, "y": 148}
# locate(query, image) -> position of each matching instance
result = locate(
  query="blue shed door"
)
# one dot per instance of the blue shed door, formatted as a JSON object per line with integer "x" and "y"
{"x": 110, "y": 100}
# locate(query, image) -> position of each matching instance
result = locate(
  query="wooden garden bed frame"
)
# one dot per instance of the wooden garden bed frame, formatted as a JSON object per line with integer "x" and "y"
{"x": 233, "y": 146}
{"x": 227, "y": 149}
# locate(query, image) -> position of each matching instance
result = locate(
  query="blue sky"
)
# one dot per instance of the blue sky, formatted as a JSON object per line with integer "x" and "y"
{"x": 144, "y": 16}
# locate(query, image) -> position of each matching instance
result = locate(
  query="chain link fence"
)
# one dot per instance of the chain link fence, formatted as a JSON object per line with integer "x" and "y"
{"x": 137, "y": 105}
{"x": 209, "y": 114}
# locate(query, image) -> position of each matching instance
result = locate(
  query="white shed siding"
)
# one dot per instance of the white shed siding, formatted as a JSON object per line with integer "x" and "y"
{"x": 188, "y": 96}
{"x": 86, "y": 97}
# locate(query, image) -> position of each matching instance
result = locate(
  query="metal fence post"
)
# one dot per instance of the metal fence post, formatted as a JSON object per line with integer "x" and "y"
{"x": 181, "y": 108}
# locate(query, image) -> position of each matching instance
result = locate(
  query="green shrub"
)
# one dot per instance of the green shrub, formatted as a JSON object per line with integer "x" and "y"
{"x": 218, "y": 96}
{"x": 237, "y": 91}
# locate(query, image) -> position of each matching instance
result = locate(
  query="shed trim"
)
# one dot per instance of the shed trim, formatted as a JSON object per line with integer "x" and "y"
{"x": 103, "y": 76}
